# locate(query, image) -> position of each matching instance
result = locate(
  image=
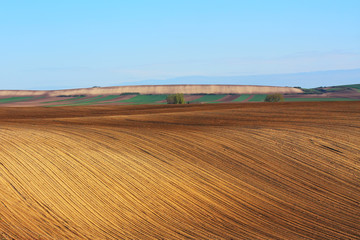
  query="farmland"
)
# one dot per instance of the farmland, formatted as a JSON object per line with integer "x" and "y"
{"x": 243, "y": 97}
{"x": 210, "y": 98}
{"x": 145, "y": 99}
{"x": 90, "y": 101}
{"x": 211, "y": 171}
{"x": 153, "y": 99}
{"x": 13, "y": 99}
{"x": 318, "y": 99}
{"x": 193, "y": 94}
{"x": 131, "y": 99}
{"x": 258, "y": 98}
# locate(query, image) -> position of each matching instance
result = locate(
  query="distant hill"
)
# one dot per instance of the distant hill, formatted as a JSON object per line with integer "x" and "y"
{"x": 193, "y": 94}
{"x": 158, "y": 89}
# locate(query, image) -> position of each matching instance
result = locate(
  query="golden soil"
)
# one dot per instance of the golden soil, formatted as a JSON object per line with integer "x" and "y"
{"x": 222, "y": 171}
{"x": 158, "y": 89}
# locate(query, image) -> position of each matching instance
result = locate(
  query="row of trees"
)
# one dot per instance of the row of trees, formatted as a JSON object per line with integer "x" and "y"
{"x": 277, "y": 97}
{"x": 179, "y": 98}
{"x": 175, "y": 99}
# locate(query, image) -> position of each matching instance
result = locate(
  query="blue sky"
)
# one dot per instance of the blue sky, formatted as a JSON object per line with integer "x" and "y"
{"x": 78, "y": 43}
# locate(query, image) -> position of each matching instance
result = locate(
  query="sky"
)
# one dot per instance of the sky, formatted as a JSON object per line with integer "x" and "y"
{"x": 84, "y": 43}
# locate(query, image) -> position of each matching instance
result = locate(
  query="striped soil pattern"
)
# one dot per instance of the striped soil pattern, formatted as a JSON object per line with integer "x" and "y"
{"x": 244, "y": 98}
{"x": 212, "y": 171}
{"x": 229, "y": 98}
{"x": 258, "y": 98}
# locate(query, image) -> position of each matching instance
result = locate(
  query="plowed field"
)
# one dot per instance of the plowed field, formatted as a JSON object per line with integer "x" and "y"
{"x": 217, "y": 171}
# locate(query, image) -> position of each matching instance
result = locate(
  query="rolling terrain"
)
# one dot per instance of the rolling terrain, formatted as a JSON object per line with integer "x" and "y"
{"x": 136, "y": 95}
{"x": 215, "y": 171}
{"x": 156, "y": 90}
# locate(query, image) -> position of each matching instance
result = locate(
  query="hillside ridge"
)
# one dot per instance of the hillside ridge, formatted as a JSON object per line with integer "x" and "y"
{"x": 158, "y": 89}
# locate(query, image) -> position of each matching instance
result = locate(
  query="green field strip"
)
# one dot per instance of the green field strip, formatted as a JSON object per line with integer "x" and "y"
{"x": 86, "y": 100}
{"x": 242, "y": 98}
{"x": 318, "y": 99}
{"x": 108, "y": 99}
{"x": 97, "y": 100}
{"x": 258, "y": 98}
{"x": 209, "y": 98}
{"x": 71, "y": 99}
{"x": 16, "y": 99}
{"x": 357, "y": 86}
{"x": 144, "y": 99}
{"x": 79, "y": 102}
{"x": 334, "y": 89}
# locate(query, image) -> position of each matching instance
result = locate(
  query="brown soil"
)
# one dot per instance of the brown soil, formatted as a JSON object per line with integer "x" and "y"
{"x": 189, "y": 98}
{"x": 213, "y": 171}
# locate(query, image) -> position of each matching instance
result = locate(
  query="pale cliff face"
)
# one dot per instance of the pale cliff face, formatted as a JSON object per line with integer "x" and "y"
{"x": 159, "y": 89}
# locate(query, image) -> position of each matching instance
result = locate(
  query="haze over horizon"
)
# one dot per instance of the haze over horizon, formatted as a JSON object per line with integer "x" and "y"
{"x": 57, "y": 45}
